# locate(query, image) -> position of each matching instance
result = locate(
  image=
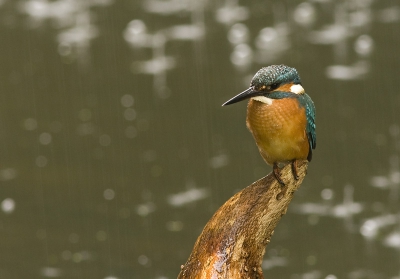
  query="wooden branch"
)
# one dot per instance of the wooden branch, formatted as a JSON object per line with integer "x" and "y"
{"x": 232, "y": 244}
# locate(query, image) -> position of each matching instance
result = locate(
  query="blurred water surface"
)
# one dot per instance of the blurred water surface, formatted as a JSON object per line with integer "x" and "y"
{"x": 115, "y": 150}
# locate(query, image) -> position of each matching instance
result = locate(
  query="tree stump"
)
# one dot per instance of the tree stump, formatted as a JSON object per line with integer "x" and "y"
{"x": 233, "y": 242}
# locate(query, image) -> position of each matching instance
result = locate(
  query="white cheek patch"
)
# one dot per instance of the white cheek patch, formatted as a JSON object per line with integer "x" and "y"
{"x": 263, "y": 99}
{"x": 297, "y": 89}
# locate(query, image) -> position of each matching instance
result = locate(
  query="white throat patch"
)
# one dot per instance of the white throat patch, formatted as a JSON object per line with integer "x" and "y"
{"x": 263, "y": 99}
{"x": 297, "y": 89}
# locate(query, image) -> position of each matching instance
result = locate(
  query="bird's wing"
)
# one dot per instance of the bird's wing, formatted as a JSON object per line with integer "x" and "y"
{"x": 310, "y": 129}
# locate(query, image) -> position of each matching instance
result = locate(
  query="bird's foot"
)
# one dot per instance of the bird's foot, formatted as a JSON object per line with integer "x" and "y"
{"x": 294, "y": 169}
{"x": 277, "y": 174}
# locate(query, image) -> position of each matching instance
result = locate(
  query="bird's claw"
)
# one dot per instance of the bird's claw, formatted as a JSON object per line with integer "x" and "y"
{"x": 277, "y": 172}
{"x": 294, "y": 169}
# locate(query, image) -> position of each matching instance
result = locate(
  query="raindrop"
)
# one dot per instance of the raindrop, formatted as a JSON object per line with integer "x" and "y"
{"x": 64, "y": 49}
{"x": 305, "y": 14}
{"x": 77, "y": 257}
{"x": 30, "y": 124}
{"x": 242, "y": 55}
{"x": 391, "y": 14}
{"x": 380, "y": 181}
{"x": 8, "y": 205}
{"x": 51, "y": 272}
{"x": 8, "y": 174}
{"x": 174, "y": 226}
{"x": 136, "y": 27}
{"x": 187, "y": 197}
{"x": 331, "y": 276}
{"x": 266, "y": 36}
{"x": 230, "y": 14}
{"x": 109, "y": 194}
{"x": 143, "y": 260}
{"x": 45, "y": 138}
{"x": 130, "y": 114}
{"x": 238, "y": 34}
{"x": 145, "y": 208}
{"x": 327, "y": 194}
{"x": 369, "y": 229}
{"x": 219, "y": 161}
{"x": 150, "y": 155}
{"x": 393, "y": 240}
{"x": 41, "y": 161}
{"x": 395, "y": 177}
{"x": 364, "y": 45}
{"x": 85, "y": 129}
{"x": 127, "y": 100}
{"x": 185, "y": 32}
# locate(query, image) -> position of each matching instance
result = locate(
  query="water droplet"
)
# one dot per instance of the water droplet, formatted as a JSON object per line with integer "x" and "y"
{"x": 41, "y": 161}
{"x": 145, "y": 208}
{"x": 45, "y": 138}
{"x": 304, "y": 14}
{"x": 174, "y": 226}
{"x": 109, "y": 194}
{"x": 127, "y": 100}
{"x": 327, "y": 194}
{"x": 30, "y": 124}
{"x": 51, "y": 272}
{"x": 8, "y": 205}
{"x": 8, "y": 174}
{"x": 238, "y": 34}
{"x": 364, "y": 45}
{"x": 143, "y": 260}
{"x": 130, "y": 114}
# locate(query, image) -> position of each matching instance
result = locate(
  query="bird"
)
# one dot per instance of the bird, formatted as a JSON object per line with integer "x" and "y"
{"x": 280, "y": 116}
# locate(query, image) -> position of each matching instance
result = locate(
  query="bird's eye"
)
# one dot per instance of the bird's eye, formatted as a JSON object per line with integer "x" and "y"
{"x": 274, "y": 86}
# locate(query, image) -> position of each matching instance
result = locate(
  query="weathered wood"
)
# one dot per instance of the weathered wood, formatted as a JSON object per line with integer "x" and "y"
{"x": 232, "y": 244}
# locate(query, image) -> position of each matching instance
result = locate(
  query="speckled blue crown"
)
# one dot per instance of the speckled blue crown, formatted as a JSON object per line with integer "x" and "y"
{"x": 275, "y": 74}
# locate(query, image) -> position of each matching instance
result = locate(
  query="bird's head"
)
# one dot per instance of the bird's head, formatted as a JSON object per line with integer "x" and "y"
{"x": 268, "y": 80}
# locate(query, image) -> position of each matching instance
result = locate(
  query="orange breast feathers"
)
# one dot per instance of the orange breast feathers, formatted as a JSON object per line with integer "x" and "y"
{"x": 279, "y": 129}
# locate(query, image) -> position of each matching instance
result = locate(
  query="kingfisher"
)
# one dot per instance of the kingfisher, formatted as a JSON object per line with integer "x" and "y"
{"x": 280, "y": 116}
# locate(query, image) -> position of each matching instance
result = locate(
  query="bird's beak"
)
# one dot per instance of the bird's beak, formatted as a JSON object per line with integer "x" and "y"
{"x": 247, "y": 94}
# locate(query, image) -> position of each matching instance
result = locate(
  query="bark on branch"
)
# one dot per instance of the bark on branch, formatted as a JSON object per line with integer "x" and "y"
{"x": 232, "y": 244}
